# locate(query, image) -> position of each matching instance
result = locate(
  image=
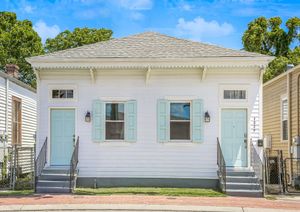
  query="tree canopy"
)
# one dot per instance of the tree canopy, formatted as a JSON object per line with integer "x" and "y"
{"x": 18, "y": 40}
{"x": 78, "y": 37}
{"x": 266, "y": 36}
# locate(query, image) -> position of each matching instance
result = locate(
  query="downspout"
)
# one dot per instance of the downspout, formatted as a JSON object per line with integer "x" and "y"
{"x": 298, "y": 105}
{"x": 289, "y": 121}
{"x": 6, "y": 114}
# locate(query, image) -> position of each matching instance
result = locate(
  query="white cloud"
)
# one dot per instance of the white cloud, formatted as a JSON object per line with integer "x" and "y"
{"x": 136, "y": 16}
{"x": 46, "y": 31}
{"x": 136, "y": 4}
{"x": 28, "y": 9}
{"x": 186, "y": 7}
{"x": 199, "y": 28}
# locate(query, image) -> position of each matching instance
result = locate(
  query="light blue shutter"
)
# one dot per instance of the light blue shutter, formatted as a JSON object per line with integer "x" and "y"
{"x": 131, "y": 121}
{"x": 198, "y": 120}
{"x": 163, "y": 123}
{"x": 98, "y": 121}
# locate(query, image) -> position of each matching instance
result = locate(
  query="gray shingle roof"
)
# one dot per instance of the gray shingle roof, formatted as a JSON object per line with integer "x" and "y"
{"x": 148, "y": 45}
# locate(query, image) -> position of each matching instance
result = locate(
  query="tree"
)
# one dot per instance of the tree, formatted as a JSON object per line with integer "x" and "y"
{"x": 18, "y": 40}
{"x": 79, "y": 37}
{"x": 266, "y": 36}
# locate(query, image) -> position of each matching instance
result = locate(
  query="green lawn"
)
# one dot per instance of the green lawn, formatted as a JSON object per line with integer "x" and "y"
{"x": 16, "y": 193}
{"x": 194, "y": 192}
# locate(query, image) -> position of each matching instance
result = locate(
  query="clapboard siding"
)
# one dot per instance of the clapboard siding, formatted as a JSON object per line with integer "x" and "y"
{"x": 146, "y": 157}
{"x": 272, "y": 109}
{"x": 29, "y": 118}
{"x": 272, "y": 113}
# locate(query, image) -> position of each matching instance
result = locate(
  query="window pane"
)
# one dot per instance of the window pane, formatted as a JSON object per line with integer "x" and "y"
{"x": 115, "y": 111}
{"x": 180, "y": 111}
{"x": 55, "y": 93}
{"x": 234, "y": 94}
{"x": 62, "y": 94}
{"x": 285, "y": 130}
{"x": 180, "y": 130}
{"x": 284, "y": 110}
{"x": 115, "y": 130}
{"x": 70, "y": 94}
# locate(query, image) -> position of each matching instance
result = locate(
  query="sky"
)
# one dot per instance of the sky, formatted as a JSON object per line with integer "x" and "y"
{"x": 220, "y": 22}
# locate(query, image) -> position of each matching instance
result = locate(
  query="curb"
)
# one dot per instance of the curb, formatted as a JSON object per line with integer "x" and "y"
{"x": 132, "y": 207}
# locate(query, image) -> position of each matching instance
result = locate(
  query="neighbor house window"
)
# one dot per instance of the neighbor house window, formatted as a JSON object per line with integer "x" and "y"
{"x": 284, "y": 119}
{"x": 16, "y": 121}
{"x": 234, "y": 94}
{"x": 114, "y": 121}
{"x": 180, "y": 121}
{"x": 62, "y": 94}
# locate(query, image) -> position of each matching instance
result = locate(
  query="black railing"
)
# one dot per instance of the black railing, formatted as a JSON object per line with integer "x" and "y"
{"x": 221, "y": 167}
{"x": 258, "y": 166}
{"x": 73, "y": 165}
{"x": 40, "y": 162}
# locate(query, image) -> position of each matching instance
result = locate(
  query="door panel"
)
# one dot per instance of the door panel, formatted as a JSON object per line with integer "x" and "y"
{"x": 62, "y": 131}
{"x": 233, "y": 133}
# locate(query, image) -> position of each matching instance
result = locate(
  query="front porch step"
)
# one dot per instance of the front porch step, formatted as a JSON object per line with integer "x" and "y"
{"x": 242, "y": 182}
{"x": 42, "y": 189}
{"x": 54, "y": 177}
{"x": 244, "y": 193}
{"x": 241, "y": 179}
{"x": 53, "y": 183}
{"x": 54, "y": 180}
{"x": 242, "y": 186}
{"x": 56, "y": 171}
{"x": 240, "y": 173}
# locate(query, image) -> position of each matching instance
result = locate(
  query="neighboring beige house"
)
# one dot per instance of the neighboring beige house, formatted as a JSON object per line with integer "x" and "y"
{"x": 281, "y": 125}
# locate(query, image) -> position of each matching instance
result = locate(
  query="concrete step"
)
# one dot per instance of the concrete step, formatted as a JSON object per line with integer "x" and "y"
{"x": 240, "y": 173}
{"x": 241, "y": 179}
{"x": 54, "y": 177}
{"x": 53, "y": 183}
{"x": 244, "y": 193}
{"x": 52, "y": 190}
{"x": 55, "y": 171}
{"x": 243, "y": 186}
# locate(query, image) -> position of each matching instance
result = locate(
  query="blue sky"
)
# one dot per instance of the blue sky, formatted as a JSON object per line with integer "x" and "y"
{"x": 220, "y": 22}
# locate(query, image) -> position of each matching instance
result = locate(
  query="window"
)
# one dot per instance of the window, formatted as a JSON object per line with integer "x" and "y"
{"x": 114, "y": 121}
{"x": 180, "y": 121}
{"x": 62, "y": 94}
{"x": 16, "y": 121}
{"x": 284, "y": 119}
{"x": 234, "y": 94}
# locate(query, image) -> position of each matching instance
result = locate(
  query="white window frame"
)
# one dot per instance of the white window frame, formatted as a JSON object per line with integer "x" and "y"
{"x": 282, "y": 99}
{"x": 114, "y": 102}
{"x": 180, "y": 101}
{"x": 62, "y": 87}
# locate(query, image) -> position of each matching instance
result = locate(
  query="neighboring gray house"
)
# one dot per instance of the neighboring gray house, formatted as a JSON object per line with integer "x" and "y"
{"x": 18, "y": 116}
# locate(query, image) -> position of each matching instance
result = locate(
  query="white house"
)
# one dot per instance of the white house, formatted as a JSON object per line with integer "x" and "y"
{"x": 157, "y": 106}
{"x": 17, "y": 118}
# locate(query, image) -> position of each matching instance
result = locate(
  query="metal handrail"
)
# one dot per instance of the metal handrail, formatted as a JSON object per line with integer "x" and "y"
{"x": 258, "y": 166}
{"x": 40, "y": 162}
{"x": 221, "y": 167}
{"x": 73, "y": 164}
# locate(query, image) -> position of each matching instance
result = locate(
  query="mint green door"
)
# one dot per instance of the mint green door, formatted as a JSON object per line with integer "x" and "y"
{"x": 62, "y": 133}
{"x": 234, "y": 137}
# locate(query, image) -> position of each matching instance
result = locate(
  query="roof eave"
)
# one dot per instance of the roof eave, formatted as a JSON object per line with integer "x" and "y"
{"x": 104, "y": 62}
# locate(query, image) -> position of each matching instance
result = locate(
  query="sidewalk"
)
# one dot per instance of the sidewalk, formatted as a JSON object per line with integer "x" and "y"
{"x": 38, "y": 201}
{"x": 132, "y": 208}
